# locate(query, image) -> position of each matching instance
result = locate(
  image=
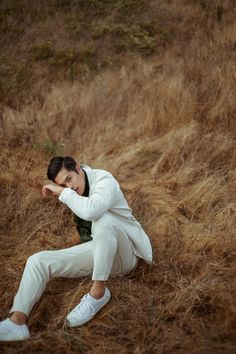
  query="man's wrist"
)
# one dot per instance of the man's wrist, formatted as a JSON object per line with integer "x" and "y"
{"x": 65, "y": 194}
{"x": 60, "y": 190}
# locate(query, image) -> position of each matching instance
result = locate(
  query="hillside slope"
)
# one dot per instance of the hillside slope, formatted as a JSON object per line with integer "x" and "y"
{"x": 164, "y": 125}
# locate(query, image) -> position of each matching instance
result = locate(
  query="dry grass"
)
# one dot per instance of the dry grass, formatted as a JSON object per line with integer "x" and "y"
{"x": 165, "y": 127}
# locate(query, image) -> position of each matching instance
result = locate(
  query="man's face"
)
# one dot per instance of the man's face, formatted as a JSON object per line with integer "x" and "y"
{"x": 72, "y": 179}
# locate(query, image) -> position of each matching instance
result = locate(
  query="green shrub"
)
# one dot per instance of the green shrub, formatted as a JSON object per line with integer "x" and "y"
{"x": 88, "y": 52}
{"x": 132, "y": 7}
{"x": 101, "y": 30}
{"x": 15, "y": 78}
{"x": 133, "y": 38}
{"x": 77, "y": 70}
{"x": 106, "y": 62}
{"x": 63, "y": 58}
{"x": 49, "y": 147}
{"x": 43, "y": 51}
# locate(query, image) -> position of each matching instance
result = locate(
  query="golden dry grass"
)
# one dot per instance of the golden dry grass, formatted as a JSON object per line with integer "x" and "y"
{"x": 166, "y": 128}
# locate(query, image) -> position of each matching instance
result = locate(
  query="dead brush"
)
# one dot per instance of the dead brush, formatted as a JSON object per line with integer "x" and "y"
{"x": 165, "y": 127}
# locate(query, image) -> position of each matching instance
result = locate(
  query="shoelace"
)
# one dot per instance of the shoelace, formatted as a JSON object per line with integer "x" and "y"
{"x": 84, "y": 305}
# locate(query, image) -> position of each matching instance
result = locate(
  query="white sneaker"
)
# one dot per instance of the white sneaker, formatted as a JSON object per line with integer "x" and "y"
{"x": 10, "y": 331}
{"x": 87, "y": 309}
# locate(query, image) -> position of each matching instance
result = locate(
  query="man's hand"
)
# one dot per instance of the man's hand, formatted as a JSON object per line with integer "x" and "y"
{"x": 52, "y": 189}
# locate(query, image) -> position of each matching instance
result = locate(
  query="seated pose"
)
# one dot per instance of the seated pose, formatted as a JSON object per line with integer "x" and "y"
{"x": 112, "y": 241}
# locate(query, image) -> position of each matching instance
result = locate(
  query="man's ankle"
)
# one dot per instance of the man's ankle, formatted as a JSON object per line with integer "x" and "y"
{"x": 18, "y": 318}
{"x": 96, "y": 295}
{"x": 97, "y": 290}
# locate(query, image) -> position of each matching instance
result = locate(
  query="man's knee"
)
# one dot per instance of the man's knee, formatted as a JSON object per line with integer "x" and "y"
{"x": 38, "y": 258}
{"x": 103, "y": 226}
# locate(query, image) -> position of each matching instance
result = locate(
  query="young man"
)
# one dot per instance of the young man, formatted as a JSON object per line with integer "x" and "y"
{"x": 112, "y": 241}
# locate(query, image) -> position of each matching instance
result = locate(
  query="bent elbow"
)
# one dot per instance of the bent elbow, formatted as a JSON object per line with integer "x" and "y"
{"x": 94, "y": 211}
{"x": 92, "y": 215}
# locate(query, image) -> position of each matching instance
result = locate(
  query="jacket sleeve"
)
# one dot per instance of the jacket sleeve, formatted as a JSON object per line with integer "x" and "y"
{"x": 98, "y": 203}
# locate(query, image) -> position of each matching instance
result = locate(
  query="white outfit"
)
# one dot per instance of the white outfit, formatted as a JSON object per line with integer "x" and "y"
{"x": 118, "y": 239}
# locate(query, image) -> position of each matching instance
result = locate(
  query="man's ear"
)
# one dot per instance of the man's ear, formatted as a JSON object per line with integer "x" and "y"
{"x": 78, "y": 168}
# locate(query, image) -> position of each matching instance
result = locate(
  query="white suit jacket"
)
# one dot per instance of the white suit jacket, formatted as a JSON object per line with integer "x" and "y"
{"x": 105, "y": 195}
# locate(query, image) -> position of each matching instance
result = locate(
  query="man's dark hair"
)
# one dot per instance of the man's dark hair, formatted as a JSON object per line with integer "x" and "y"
{"x": 59, "y": 162}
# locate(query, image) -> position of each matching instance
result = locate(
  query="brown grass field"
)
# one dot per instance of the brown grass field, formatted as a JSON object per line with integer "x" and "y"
{"x": 165, "y": 126}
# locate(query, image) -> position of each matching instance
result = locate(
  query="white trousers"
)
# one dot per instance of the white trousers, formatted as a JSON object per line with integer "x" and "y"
{"x": 110, "y": 252}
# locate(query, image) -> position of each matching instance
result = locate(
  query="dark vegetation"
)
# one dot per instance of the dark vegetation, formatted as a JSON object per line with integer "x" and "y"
{"x": 146, "y": 90}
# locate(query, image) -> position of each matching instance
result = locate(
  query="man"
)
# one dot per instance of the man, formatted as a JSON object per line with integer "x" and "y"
{"x": 112, "y": 241}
